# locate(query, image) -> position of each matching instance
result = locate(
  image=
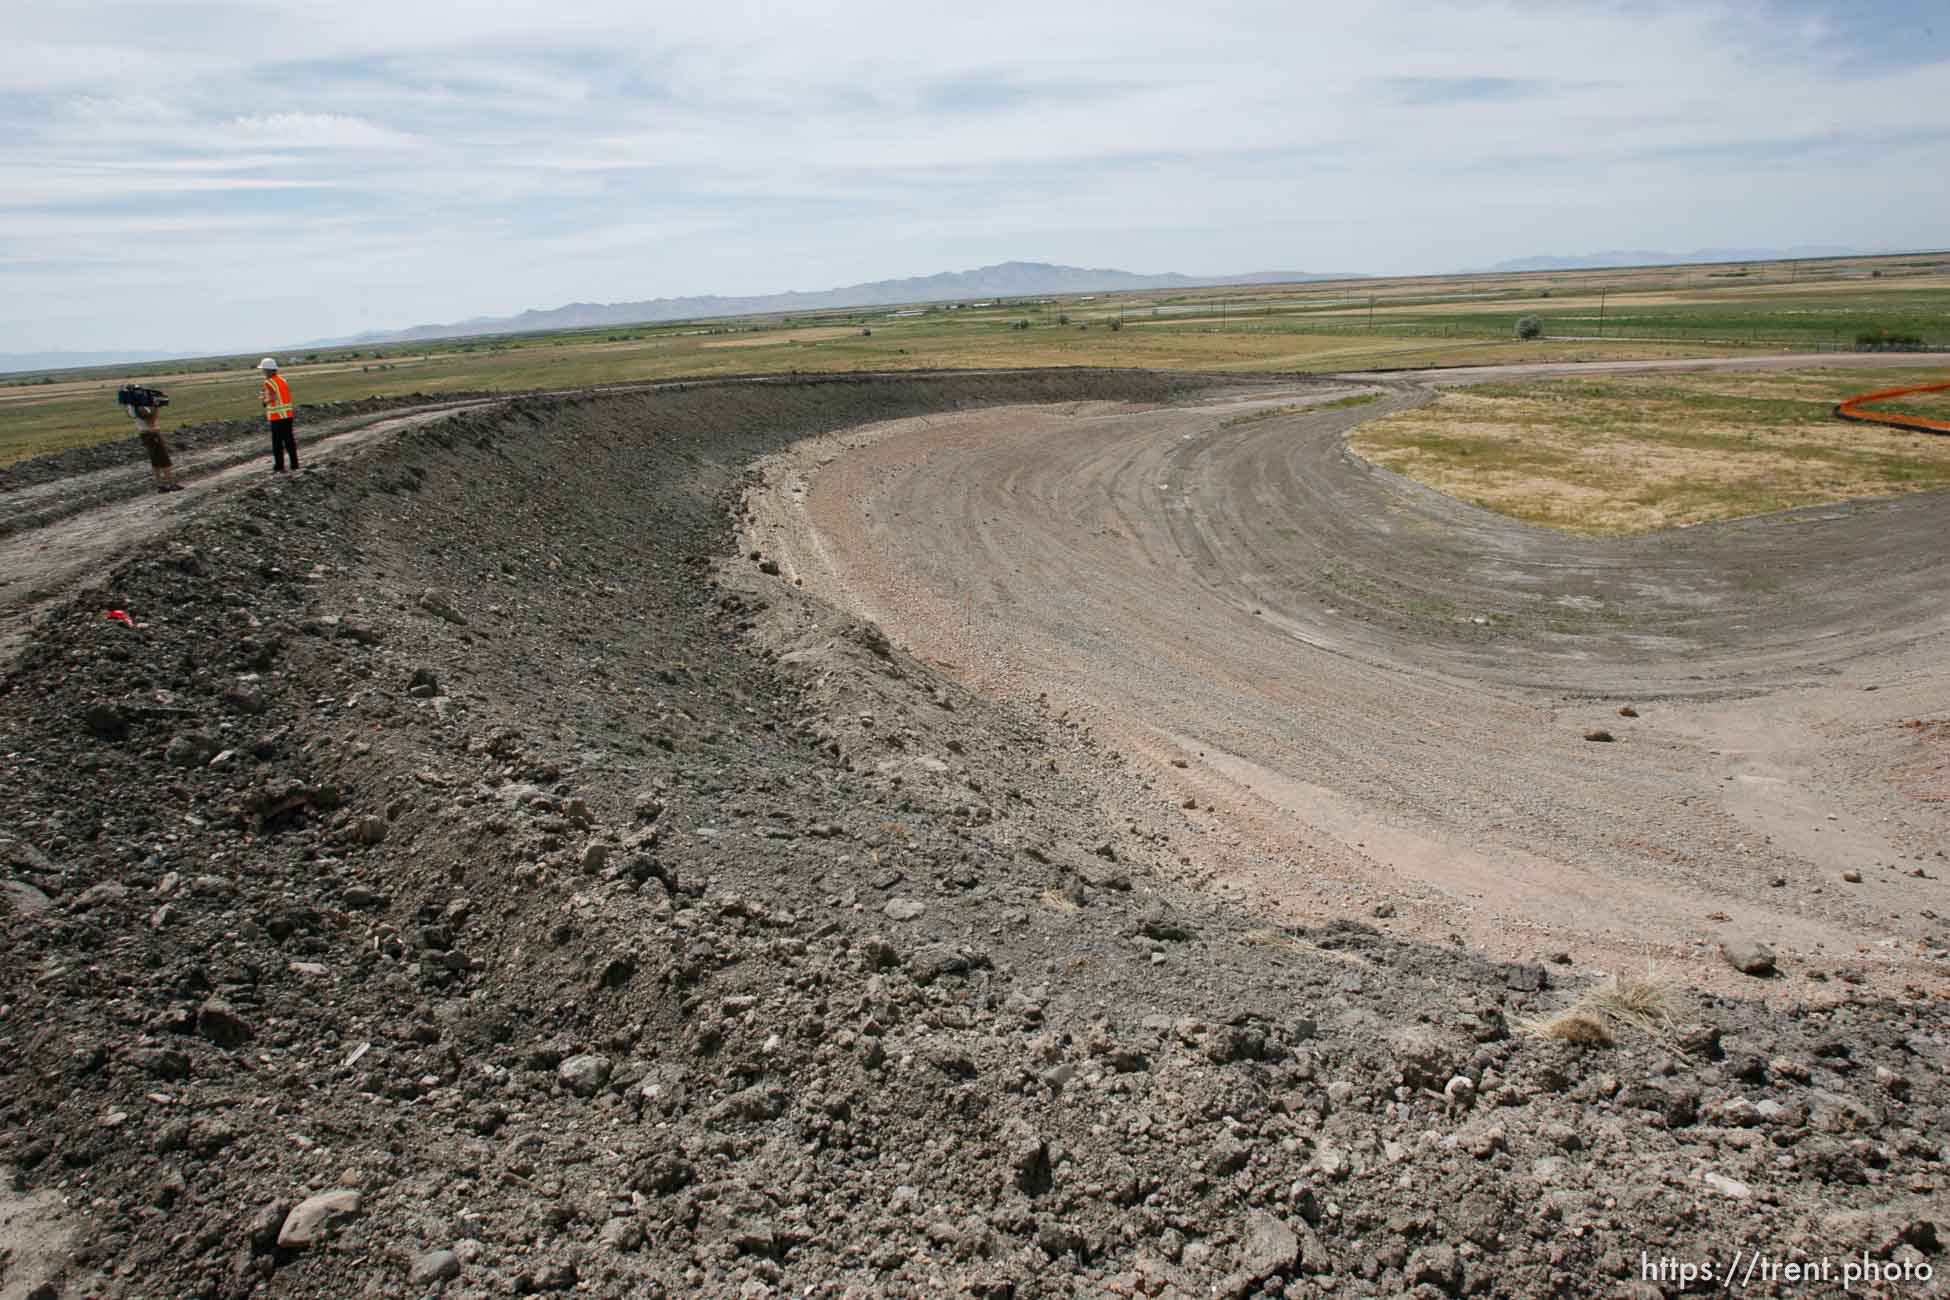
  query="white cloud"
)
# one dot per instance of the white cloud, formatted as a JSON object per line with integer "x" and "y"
{"x": 589, "y": 149}
{"x": 28, "y": 188}
{"x": 309, "y": 131}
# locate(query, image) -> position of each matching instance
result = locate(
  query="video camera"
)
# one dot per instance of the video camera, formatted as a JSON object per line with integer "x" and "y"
{"x": 137, "y": 395}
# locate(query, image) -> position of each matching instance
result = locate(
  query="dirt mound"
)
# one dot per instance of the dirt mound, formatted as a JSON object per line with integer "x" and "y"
{"x": 468, "y": 876}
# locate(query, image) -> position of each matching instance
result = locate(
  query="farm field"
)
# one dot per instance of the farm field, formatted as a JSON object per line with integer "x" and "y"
{"x": 1630, "y": 454}
{"x": 1399, "y": 324}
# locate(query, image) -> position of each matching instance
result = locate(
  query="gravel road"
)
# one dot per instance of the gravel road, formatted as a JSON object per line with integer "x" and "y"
{"x": 1347, "y": 695}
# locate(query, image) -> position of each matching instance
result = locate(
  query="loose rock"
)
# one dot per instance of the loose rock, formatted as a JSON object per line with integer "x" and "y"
{"x": 585, "y": 1076}
{"x": 1269, "y": 1246}
{"x": 1748, "y": 956}
{"x": 318, "y": 1217}
{"x": 433, "y": 1267}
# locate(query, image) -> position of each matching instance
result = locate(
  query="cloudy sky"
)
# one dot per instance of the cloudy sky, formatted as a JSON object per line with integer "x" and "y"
{"x": 205, "y": 177}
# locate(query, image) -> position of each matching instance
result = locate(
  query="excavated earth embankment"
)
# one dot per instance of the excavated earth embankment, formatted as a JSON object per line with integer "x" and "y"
{"x": 44, "y": 489}
{"x": 469, "y": 877}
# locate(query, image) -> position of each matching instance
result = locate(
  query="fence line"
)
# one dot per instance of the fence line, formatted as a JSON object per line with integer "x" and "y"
{"x": 1614, "y": 333}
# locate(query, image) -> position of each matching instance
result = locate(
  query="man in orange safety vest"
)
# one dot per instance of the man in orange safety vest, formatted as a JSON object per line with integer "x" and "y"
{"x": 278, "y": 409}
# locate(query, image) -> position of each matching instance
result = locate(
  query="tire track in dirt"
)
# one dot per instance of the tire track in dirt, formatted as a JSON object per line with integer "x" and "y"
{"x": 1346, "y": 693}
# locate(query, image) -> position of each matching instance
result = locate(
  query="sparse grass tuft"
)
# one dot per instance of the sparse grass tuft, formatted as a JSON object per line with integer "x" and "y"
{"x": 1647, "y": 1003}
{"x": 1283, "y": 942}
{"x": 1058, "y": 900}
{"x": 1575, "y": 1025}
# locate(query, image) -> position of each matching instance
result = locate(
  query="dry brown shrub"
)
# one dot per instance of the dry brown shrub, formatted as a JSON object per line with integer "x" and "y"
{"x": 1647, "y": 1003}
{"x": 1575, "y": 1025}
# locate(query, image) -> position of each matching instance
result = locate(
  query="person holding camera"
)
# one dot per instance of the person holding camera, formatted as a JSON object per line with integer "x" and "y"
{"x": 279, "y": 410}
{"x": 145, "y": 407}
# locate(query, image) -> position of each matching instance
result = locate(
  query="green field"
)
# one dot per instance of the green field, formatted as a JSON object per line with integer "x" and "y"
{"x": 1804, "y": 317}
{"x": 1810, "y": 321}
{"x": 1347, "y": 325}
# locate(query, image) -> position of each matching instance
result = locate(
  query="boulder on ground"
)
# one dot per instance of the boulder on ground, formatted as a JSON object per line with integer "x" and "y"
{"x": 584, "y": 1075}
{"x": 1269, "y": 1246}
{"x": 1748, "y": 956}
{"x": 318, "y": 1217}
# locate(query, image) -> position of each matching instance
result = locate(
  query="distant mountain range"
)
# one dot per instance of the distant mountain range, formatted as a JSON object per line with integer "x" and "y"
{"x": 1003, "y": 280}
{"x": 1654, "y": 257}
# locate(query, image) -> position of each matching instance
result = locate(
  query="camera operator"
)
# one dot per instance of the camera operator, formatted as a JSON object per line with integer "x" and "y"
{"x": 147, "y": 424}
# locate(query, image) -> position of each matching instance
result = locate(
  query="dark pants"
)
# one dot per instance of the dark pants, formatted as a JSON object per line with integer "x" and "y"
{"x": 152, "y": 442}
{"x": 282, "y": 442}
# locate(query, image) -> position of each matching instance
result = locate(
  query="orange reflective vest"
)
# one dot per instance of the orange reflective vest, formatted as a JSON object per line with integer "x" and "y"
{"x": 277, "y": 398}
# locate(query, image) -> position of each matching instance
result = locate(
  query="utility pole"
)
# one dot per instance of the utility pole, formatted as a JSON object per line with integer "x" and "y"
{"x": 1601, "y": 311}
{"x": 1371, "y": 313}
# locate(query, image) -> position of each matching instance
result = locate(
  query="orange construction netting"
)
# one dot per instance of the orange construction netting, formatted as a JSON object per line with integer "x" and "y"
{"x": 1854, "y": 408}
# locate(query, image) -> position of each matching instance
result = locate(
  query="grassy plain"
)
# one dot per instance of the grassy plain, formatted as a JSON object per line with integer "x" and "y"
{"x": 38, "y": 418}
{"x": 1635, "y": 453}
{"x": 1401, "y": 323}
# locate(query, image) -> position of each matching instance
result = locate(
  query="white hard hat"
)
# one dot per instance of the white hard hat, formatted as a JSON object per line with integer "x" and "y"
{"x": 268, "y": 363}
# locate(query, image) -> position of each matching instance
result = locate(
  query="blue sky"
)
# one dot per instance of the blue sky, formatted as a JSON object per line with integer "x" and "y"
{"x": 238, "y": 175}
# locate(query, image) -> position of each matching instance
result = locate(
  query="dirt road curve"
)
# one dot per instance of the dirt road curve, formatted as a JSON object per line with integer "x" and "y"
{"x": 1348, "y": 695}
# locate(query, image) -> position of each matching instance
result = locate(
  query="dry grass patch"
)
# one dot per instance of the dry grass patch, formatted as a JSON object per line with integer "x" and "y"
{"x": 1573, "y": 1025}
{"x": 1058, "y": 900}
{"x": 1635, "y": 454}
{"x": 1648, "y": 1003}
{"x": 1821, "y": 386}
{"x": 1280, "y": 941}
